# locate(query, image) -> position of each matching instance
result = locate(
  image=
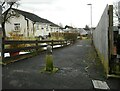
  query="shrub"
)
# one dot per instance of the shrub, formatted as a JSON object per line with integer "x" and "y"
{"x": 70, "y": 36}
{"x": 57, "y": 35}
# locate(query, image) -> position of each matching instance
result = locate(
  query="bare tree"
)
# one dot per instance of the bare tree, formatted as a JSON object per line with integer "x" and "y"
{"x": 61, "y": 25}
{"x": 87, "y": 27}
{"x": 116, "y": 15}
{"x": 6, "y": 6}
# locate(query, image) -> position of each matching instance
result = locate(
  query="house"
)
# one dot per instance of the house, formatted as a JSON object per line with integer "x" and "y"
{"x": 82, "y": 31}
{"x": 69, "y": 29}
{"x": 28, "y": 24}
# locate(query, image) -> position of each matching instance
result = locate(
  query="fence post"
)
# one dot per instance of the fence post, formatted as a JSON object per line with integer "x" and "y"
{"x": 37, "y": 46}
{"x": 61, "y": 43}
{"x": 52, "y": 44}
{"x": 1, "y": 35}
{"x": 110, "y": 37}
{"x": 66, "y": 41}
{"x": 110, "y": 28}
{"x": 2, "y": 51}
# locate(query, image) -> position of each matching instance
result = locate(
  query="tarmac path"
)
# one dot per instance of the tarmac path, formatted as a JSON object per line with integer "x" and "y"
{"x": 78, "y": 65}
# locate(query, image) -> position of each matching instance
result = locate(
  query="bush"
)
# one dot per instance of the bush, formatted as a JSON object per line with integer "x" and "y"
{"x": 57, "y": 35}
{"x": 66, "y": 36}
{"x": 70, "y": 36}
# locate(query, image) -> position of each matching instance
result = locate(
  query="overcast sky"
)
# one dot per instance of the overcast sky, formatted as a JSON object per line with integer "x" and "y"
{"x": 67, "y": 12}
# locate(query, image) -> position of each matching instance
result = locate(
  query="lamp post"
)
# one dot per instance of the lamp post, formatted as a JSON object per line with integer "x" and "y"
{"x": 90, "y": 15}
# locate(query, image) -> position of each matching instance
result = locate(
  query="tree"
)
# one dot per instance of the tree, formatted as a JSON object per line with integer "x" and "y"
{"x": 116, "y": 13}
{"x": 68, "y": 27}
{"x": 87, "y": 27}
{"x": 6, "y": 6}
{"x": 61, "y": 25}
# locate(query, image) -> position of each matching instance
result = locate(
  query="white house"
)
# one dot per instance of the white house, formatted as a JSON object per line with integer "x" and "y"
{"x": 28, "y": 24}
{"x": 82, "y": 31}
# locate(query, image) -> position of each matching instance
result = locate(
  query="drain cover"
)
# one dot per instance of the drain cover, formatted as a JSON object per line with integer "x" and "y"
{"x": 100, "y": 84}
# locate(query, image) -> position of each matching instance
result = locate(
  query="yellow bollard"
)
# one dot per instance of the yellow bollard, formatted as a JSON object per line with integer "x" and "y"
{"x": 49, "y": 62}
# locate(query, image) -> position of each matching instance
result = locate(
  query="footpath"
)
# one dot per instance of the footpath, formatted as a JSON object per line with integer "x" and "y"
{"x": 78, "y": 65}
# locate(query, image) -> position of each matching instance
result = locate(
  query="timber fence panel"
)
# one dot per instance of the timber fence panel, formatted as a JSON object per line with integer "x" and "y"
{"x": 34, "y": 48}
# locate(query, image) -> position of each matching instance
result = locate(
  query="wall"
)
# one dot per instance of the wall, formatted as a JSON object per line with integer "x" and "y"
{"x": 45, "y": 28}
{"x": 100, "y": 38}
{"x": 42, "y": 29}
{"x": 26, "y": 31}
{"x": 9, "y": 26}
{"x": 30, "y": 29}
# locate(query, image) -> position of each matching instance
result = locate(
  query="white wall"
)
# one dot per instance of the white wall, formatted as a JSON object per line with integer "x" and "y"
{"x": 40, "y": 29}
{"x": 27, "y": 32}
{"x": 9, "y": 26}
{"x": 30, "y": 30}
{"x": 43, "y": 29}
{"x": 55, "y": 29}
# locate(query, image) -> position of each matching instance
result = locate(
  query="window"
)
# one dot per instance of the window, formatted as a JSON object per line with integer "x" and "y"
{"x": 17, "y": 26}
{"x": 37, "y": 26}
{"x": 47, "y": 28}
{"x": 42, "y": 28}
{"x": 12, "y": 12}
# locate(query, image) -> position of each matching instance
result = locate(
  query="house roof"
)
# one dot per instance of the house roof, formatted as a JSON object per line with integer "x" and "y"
{"x": 34, "y": 17}
{"x": 83, "y": 31}
{"x": 68, "y": 27}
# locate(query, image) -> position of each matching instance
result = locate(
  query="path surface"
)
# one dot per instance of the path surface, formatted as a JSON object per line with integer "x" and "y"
{"x": 78, "y": 66}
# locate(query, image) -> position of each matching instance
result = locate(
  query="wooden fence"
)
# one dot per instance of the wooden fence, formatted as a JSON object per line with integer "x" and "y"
{"x": 33, "y": 47}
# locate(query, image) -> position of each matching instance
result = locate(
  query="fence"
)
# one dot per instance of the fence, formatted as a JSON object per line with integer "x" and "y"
{"x": 34, "y": 47}
{"x": 103, "y": 38}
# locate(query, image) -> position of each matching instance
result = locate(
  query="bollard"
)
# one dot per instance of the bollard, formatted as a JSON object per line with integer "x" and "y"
{"x": 49, "y": 59}
{"x": 49, "y": 49}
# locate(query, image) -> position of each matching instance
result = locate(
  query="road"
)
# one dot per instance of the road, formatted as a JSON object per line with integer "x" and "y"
{"x": 78, "y": 65}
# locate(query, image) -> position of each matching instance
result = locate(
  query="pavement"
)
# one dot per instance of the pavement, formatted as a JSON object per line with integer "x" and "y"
{"x": 78, "y": 65}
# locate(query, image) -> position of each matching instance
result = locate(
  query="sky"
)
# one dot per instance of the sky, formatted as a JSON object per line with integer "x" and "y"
{"x": 75, "y": 13}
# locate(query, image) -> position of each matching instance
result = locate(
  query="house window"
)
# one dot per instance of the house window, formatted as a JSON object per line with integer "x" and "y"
{"x": 17, "y": 26}
{"x": 47, "y": 28}
{"x": 37, "y": 27}
{"x": 13, "y": 13}
{"x": 42, "y": 28}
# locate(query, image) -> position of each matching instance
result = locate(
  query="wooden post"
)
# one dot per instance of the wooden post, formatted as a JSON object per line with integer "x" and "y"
{"x": 66, "y": 41}
{"x": 52, "y": 44}
{"x": 110, "y": 35}
{"x": 111, "y": 27}
{"x": 3, "y": 47}
{"x": 37, "y": 46}
{"x": 61, "y": 43}
{"x": 1, "y": 34}
{"x": 1, "y": 59}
